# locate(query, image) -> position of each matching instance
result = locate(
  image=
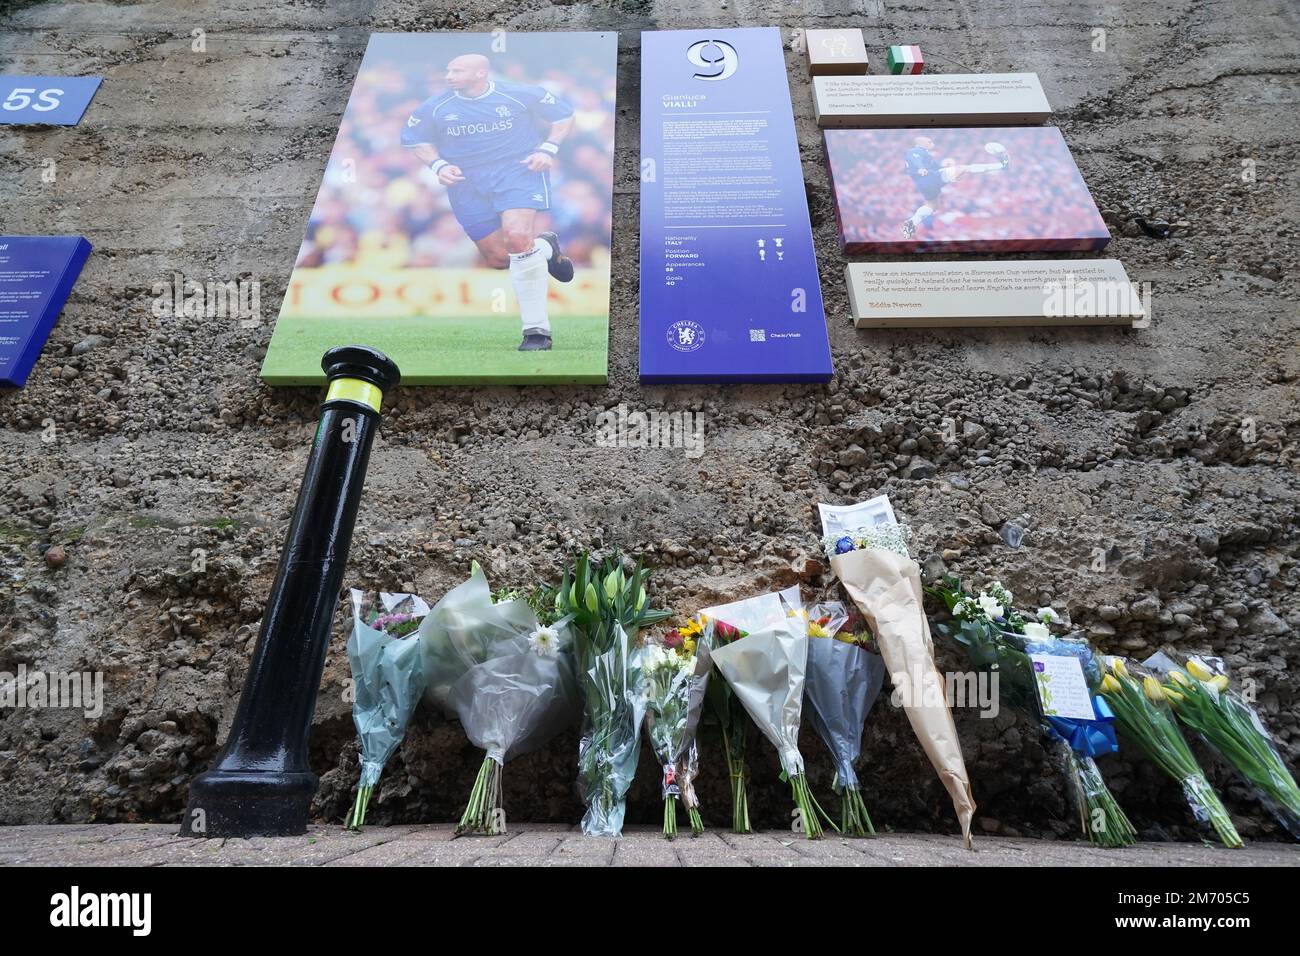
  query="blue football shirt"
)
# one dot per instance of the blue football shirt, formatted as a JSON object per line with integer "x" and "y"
{"x": 504, "y": 123}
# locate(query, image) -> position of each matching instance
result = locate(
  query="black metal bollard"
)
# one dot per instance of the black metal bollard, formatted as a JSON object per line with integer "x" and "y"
{"x": 260, "y": 784}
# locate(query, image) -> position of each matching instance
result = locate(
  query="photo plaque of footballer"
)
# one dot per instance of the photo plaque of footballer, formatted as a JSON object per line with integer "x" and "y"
{"x": 965, "y": 189}
{"x": 931, "y": 175}
{"x": 479, "y": 138}
{"x": 464, "y": 221}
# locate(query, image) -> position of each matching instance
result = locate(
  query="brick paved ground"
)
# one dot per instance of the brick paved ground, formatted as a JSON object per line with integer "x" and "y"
{"x": 550, "y": 845}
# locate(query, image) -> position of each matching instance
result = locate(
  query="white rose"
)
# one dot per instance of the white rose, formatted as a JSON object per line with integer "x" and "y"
{"x": 990, "y": 606}
{"x": 1037, "y": 632}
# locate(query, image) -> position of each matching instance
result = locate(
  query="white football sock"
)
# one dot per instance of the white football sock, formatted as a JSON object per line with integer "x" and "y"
{"x": 982, "y": 167}
{"x": 544, "y": 247}
{"x": 921, "y": 213}
{"x": 528, "y": 275}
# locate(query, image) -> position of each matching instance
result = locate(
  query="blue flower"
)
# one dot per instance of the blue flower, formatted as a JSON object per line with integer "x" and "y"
{"x": 844, "y": 545}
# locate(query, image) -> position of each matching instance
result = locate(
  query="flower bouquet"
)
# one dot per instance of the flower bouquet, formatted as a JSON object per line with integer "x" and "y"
{"x": 384, "y": 653}
{"x": 873, "y": 564}
{"x": 675, "y": 676}
{"x": 608, "y": 608}
{"x": 734, "y": 725}
{"x": 844, "y": 679}
{"x": 1004, "y": 641}
{"x": 765, "y": 669}
{"x": 1202, "y": 699}
{"x": 523, "y": 694}
{"x": 461, "y": 631}
{"x": 1141, "y": 707}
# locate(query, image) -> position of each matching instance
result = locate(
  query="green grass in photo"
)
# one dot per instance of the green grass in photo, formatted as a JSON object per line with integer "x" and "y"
{"x": 445, "y": 351}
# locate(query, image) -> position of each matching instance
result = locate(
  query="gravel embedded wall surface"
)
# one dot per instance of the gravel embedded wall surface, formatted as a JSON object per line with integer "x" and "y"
{"x": 1173, "y": 452}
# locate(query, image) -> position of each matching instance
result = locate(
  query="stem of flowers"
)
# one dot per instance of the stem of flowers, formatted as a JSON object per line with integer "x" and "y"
{"x": 734, "y": 743}
{"x": 854, "y": 819}
{"x": 1113, "y": 828}
{"x": 480, "y": 814}
{"x": 1159, "y": 738}
{"x": 358, "y": 815}
{"x": 670, "y": 817}
{"x": 697, "y": 825}
{"x": 1227, "y": 725}
{"x": 807, "y": 807}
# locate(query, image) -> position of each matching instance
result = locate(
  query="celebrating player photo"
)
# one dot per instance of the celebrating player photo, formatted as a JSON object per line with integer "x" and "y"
{"x": 1012, "y": 189}
{"x": 464, "y": 221}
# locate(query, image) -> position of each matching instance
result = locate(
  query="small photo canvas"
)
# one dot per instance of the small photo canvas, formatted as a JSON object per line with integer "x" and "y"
{"x": 1003, "y": 189}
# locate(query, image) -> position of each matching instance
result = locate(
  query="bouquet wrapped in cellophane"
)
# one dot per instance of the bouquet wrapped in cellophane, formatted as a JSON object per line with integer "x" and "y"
{"x": 1142, "y": 710}
{"x": 844, "y": 680}
{"x": 675, "y": 669}
{"x": 608, "y": 608}
{"x": 384, "y": 653}
{"x": 1203, "y": 699}
{"x": 733, "y": 723}
{"x": 766, "y": 670}
{"x": 872, "y": 561}
{"x": 1000, "y": 639}
{"x": 518, "y": 698}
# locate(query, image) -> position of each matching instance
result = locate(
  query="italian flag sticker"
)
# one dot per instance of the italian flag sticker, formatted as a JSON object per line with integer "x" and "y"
{"x": 905, "y": 59}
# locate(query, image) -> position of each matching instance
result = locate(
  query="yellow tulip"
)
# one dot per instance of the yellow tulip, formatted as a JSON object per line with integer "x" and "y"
{"x": 1151, "y": 687}
{"x": 1219, "y": 682}
{"x": 1109, "y": 685}
{"x": 1196, "y": 667}
{"x": 1117, "y": 665}
{"x": 1173, "y": 695}
{"x": 1180, "y": 678}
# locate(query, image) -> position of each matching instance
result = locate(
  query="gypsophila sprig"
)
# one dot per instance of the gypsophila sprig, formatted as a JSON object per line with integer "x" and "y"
{"x": 896, "y": 538}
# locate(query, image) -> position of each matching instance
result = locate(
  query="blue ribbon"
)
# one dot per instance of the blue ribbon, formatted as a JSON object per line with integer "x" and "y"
{"x": 1092, "y": 738}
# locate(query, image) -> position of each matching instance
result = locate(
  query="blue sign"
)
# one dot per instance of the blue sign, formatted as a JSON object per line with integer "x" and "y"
{"x": 729, "y": 284}
{"x": 48, "y": 100}
{"x": 36, "y": 275}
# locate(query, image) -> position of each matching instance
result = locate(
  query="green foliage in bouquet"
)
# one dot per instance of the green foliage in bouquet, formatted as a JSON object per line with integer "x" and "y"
{"x": 608, "y": 607}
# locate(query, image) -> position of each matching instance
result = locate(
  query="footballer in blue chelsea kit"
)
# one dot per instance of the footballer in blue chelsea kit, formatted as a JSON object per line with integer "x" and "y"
{"x": 492, "y": 145}
{"x": 929, "y": 175}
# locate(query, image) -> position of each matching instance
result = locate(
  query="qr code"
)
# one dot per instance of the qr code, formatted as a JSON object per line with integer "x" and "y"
{"x": 757, "y": 335}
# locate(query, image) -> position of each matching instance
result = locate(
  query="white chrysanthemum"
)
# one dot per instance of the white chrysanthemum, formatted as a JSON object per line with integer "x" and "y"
{"x": 1048, "y": 615}
{"x": 545, "y": 642}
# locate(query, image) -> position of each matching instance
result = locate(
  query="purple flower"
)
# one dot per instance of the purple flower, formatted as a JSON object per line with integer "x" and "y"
{"x": 844, "y": 545}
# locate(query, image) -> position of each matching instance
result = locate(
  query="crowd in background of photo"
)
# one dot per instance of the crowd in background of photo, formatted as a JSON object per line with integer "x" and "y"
{"x": 1041, "y": 194}
{"x": 379, "y": 205}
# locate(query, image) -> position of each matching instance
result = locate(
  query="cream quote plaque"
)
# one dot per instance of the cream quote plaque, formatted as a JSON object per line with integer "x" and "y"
{"x": 1013, "y": 292}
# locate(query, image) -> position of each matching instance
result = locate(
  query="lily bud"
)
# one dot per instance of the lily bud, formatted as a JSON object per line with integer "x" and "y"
{"x": 590, "y": 596}
{"x": 1151, "y": 687}
{"x": 1196, "y": 667}
{"x": 640, "y": 599}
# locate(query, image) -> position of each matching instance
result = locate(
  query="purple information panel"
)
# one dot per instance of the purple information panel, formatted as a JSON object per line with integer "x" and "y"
{"x": 729, "y": 286}
{"x": 36, "y": 275}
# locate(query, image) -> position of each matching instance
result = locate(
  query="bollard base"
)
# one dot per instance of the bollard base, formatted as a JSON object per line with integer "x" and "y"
{"x": 226, "y": 803}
